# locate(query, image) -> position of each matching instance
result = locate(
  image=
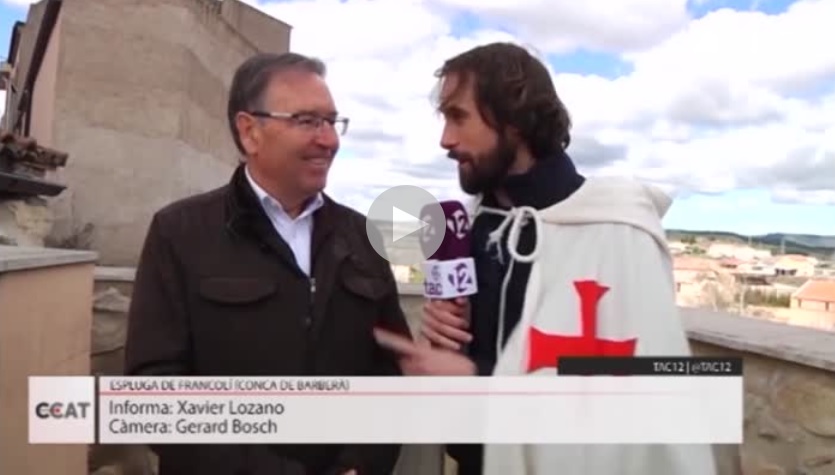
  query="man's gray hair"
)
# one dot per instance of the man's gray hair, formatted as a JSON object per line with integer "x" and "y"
{"x": 253, "y": 76}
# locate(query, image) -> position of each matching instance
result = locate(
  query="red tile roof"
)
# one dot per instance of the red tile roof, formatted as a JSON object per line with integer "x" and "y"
{"x": 817, "y": 290}
{"x": 693, "y": 264}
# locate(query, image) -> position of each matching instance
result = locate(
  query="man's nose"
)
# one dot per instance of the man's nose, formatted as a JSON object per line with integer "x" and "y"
{"x": 448, "y": 139}
{"x": 327, "y": 137}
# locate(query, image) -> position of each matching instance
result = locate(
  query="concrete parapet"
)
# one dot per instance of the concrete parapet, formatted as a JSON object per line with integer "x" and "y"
{"x": 45, "y": 329}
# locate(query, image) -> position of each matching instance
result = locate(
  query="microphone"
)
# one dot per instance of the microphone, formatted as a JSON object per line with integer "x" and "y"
{"x": 449, "y": 271}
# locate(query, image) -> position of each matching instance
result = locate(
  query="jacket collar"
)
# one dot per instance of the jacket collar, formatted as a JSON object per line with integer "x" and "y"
{"x": 243, "y": 210}
{"x": 551, "y": 180}
{"x": 266, "y": 200}
{"x": 244, "y": 213}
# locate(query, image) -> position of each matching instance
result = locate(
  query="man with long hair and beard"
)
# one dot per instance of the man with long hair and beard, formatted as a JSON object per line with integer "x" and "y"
{"x": 546, "y": 243}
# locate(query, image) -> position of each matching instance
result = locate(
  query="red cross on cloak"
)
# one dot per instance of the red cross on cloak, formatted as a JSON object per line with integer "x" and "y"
{"x": 545, "y": 349}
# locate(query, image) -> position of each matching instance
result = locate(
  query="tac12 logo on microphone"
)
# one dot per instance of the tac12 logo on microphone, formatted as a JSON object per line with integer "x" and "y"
{"x": 459, "y": 224}
{"x": 461, "y": 278}
{"x": 432, "y": 285}
{"x": 62, "y": 409}
{"x": 449, "y": 279}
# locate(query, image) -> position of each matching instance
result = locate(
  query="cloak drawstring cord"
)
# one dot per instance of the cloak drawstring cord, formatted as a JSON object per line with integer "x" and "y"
{"x": 514, "y": 219}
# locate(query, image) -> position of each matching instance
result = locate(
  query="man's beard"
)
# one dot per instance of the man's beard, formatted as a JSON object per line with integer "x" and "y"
{"x": 488, "y": 171}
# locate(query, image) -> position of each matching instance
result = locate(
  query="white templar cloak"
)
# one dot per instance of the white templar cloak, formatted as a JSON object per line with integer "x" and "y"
{"x": 609, "y": 233}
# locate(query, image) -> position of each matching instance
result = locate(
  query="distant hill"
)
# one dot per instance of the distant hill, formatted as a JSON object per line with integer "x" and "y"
{"x": 807, "y": 244}
{"x": 407, "y": 251}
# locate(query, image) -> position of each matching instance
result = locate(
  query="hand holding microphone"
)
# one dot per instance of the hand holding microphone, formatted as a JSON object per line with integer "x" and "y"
{"x": 449, "y": 278}
{"x": 445, "y": 323}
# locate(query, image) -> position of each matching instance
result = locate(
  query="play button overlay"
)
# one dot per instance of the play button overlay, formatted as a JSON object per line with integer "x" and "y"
{"x": 400, "y": 225}
{"x": 406, "y": 224}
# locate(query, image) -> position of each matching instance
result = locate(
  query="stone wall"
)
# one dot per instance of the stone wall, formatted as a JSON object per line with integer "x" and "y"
{"x": 789, "y": 386}
{"x": 789, "y": 390}
{"x": 789, "y": 416}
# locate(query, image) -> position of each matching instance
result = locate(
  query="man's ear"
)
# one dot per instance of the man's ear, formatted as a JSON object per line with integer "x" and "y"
{"x": 249, "y": 132}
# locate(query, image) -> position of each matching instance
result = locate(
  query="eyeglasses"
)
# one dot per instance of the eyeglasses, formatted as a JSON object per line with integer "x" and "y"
{"x": 308, "y": 121}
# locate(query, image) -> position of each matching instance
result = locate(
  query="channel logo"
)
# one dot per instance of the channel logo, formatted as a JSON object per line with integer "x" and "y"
{"x": 62, "y": 409}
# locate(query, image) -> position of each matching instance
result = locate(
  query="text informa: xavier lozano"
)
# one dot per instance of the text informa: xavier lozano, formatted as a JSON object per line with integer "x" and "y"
{"x": 201, "y": 409}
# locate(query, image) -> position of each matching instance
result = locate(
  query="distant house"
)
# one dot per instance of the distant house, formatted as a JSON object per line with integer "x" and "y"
{"x": 796, "y": 265}
{"x": 736, "y": 251}
{"x": 760, "y": 269}
{"x": 816, "y": 295}
{"x": 677, "y": 247}
{"x": 689, "y": 272}
{"x": 730, "y": 263}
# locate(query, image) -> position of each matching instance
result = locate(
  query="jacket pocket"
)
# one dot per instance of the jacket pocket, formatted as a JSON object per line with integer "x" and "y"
{"x": 360, "y": 279}
{"x": 370, "y": 288}
{"x": 235, "y": 290}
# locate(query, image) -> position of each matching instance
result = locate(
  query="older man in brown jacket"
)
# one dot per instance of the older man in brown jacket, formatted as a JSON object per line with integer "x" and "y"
{"x": 267, "y": 275}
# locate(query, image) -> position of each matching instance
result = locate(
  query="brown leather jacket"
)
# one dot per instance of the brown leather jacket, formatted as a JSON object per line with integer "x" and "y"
{"x": 218, "y": 292}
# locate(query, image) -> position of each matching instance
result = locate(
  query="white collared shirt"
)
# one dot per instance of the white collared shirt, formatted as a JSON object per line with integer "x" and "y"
{"x": 296, "y": 232}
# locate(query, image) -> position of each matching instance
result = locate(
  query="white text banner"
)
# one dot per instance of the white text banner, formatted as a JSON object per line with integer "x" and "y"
{"x": 415, "y": 410}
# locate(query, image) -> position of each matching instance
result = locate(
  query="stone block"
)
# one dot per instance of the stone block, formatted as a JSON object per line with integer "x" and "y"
{"x": 811, "y": 403}
{"x": 25, "y": 222}
{"x": 110, "y": 310}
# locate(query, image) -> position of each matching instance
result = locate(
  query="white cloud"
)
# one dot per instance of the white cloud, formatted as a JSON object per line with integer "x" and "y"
{"x": 358, "y": 29}
{"x": 709, "y": 105}
{"x": 592, "y": 24}
{"x": 733, "y": 99}
{"x": 783, "y": 52}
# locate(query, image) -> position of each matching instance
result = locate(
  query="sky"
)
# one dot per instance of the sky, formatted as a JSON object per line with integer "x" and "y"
{"x": 729, "y": 106}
